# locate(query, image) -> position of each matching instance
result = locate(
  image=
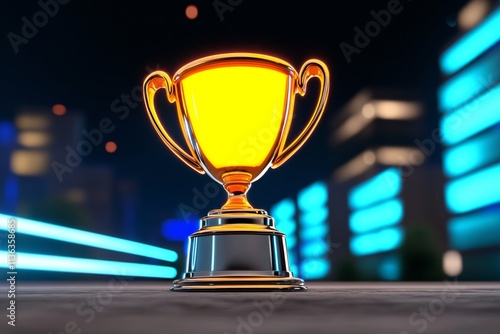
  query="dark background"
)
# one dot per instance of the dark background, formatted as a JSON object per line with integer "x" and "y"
{"x": 91, "y": 52}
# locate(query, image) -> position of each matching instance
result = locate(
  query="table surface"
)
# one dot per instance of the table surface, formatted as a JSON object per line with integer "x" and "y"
{"x": 121, "y": 306}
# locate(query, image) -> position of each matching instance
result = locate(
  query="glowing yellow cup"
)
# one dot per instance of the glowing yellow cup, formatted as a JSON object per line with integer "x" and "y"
{"x": 235, "y": 111}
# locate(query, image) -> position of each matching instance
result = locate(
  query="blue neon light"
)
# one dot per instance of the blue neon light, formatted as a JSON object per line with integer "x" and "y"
{"x": 381, "y": 215}
{"x": 474, "y": 191}
{"x": 43, "y": 262}
{"x": 376, "y": 242}
{"x": 472, "y": 154}
{"x": 472, "y": 118}
{"x": 390, "y": 268}
{"x": 314, "y": 196}
{"x": 314, "y": 249}
{"x": 286, "y": 226}
{"x": 481, "y": 229}
{"x": 7, "y": 133}
{"x": 470, "y": 83}
{"x": 178, "y": 229}
{"x": 314, "y": 232}
{"x": 314, "y": 268}
{"x": 472, "y": 44}
{"x": 283, "y": 210}
{"x": 71, "y": 235}
{"x": 380, "y": 187}
{"x": 291, "y": 241}
{"x": 314, "y": 217}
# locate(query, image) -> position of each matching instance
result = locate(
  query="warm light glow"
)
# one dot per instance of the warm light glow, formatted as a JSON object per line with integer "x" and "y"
{"x": 369, "y": 110}
{"x": 369, "y": 157}
{"x": 32, "y": 122}
{"x": 351, "y": 127}
{"x": 29, "y": 163}
{"x": 59, "y": 109}
{"x": 235, "y": 128}
{"x": 452, "y": 263}
{"x": 473, "y": 13}
{"x": 110, "y": 147}
{"x": 34, "y": 139}
{"x": 397, "y": 109}
{"x": 399, "y": 156}
{"x": 76, "y": 195}
{"x": 191, "y": 12}
{"x": 352, "y": 168}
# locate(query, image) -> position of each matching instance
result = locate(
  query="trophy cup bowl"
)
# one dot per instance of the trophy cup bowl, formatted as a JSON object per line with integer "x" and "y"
{"x": 235, "y": 112}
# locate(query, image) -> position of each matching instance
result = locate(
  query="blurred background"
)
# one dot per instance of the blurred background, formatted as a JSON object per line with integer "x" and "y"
{"x": 400, "y": 181}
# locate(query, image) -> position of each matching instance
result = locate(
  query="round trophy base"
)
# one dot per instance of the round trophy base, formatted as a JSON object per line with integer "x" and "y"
{"x": 238, "y": 251}
{"x": 241, "y": 284}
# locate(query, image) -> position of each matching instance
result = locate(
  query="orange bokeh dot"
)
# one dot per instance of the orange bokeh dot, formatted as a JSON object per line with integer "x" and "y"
{"x": 58, "y": 109}
{"x": 191, "y": 12}
{"x": 110, "y": 147}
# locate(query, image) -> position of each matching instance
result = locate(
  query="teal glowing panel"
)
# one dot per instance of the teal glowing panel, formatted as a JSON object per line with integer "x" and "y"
{"x": 29, "y": 261}
{"x": 381, "y": 241}
{"x": 314, "y": 232}
{"x": 474, "y": 191}
{"x": 286, "y": 226}
{"x": 472, "y": 154}
{"x": 470, "y": 83}
{"x": 314, "y": 217}
{"x": 291, "y": 241}
{"x": 314, "y": 268}
{"x": 473, "y": 118}
{"x": 471, "y": 45}
{"x": 379, "y": 188}
{"x": 477, "y": 230}
{"x": 385, "y": 214}
{"x": 71, "y": 235}
{"x": 390, "y": 268}
{"x": 283, "y": 210}
{"x": 314, "y": 249}
{"x": 314, "y": 196}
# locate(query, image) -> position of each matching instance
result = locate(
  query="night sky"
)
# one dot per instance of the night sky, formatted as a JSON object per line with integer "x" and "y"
{"x": 91, "y": 52}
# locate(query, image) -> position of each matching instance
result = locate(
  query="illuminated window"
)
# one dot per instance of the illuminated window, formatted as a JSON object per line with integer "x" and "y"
{"x": 470, "y": 128}
{"x": 313, "y": 222}
{"x": 376, "y": 213}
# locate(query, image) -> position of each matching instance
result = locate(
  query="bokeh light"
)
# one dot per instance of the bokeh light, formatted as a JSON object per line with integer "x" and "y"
{"x": 58, "y": 109}
{"x": 110, "y": 147}
{"x": 191, "y": 12}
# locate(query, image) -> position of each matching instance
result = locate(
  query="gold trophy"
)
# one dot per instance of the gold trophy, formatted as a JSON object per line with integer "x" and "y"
{"x": 235, "y": 112}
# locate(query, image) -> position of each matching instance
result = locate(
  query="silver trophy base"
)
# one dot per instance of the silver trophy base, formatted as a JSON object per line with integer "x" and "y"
{"x": 237, "y": 251}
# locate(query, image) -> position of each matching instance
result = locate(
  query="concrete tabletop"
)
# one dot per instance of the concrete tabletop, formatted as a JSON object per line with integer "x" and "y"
{"x": 123, "y": 306}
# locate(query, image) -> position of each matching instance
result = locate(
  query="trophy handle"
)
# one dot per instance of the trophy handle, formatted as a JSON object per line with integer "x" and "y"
{"x": 160, "y": 80}
{"x": 311, "y": 68}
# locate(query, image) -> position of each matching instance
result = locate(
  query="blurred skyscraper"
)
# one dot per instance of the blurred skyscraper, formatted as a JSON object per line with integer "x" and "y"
{"x": 469, "y": 102}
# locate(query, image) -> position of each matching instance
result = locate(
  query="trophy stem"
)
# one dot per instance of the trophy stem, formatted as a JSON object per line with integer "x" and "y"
{"x": 237, "y": 185}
